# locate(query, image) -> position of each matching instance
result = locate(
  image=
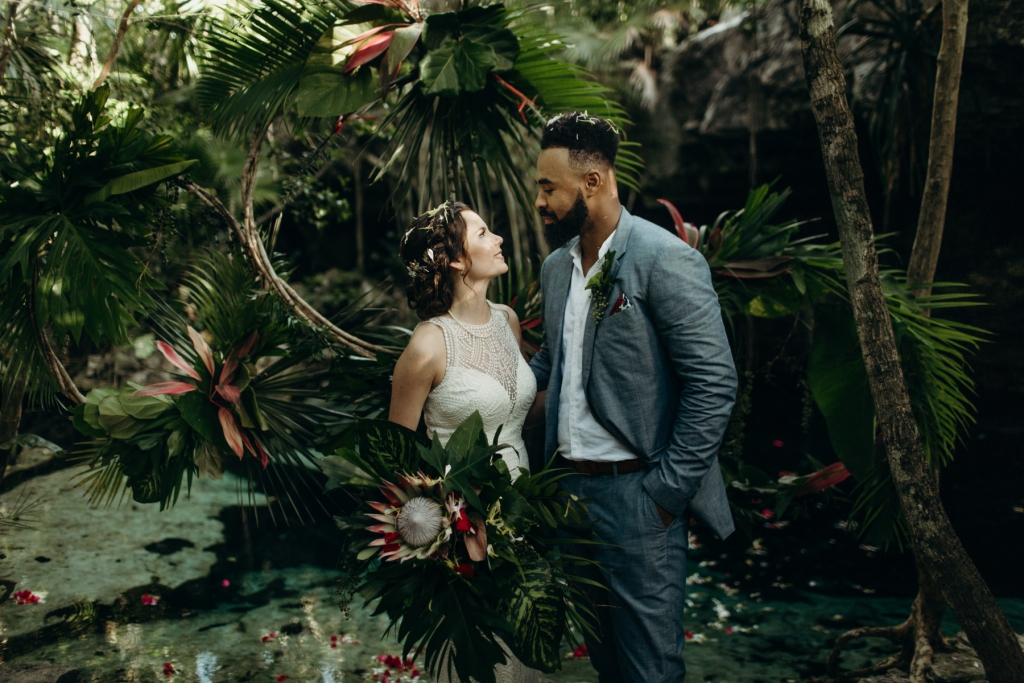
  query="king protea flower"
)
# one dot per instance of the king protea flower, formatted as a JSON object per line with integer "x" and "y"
{"x": 412, "y": 523}
{"x": 418, "y": 520}
{"x": 221, "y": 392}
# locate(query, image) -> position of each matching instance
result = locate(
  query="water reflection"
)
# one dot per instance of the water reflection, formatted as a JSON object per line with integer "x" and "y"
{"x": 204, "y": 593}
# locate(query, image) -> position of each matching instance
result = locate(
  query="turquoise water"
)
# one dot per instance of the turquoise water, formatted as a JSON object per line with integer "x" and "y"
{"x": 212, "y": 591}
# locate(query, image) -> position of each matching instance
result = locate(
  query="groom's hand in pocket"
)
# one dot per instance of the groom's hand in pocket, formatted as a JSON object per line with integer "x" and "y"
{"x": 666, "y": 517}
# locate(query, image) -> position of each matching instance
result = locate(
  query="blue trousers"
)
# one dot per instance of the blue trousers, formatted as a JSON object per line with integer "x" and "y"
{"x": 640, "y": 620}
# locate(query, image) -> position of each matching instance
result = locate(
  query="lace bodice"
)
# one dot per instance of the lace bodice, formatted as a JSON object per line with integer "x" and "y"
{"x": 484, "y": 371}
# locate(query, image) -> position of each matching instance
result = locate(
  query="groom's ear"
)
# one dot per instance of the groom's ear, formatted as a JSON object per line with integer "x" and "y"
{"x": 593, "y": 181}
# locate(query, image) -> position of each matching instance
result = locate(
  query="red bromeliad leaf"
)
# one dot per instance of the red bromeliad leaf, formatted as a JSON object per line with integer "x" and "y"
{"x": 165, "y": 388}
{"x": 227, "y": 373}
{"x": 177, "y": 361}
{"x": 826, "y": 478}
{"x": 231, "y": 432}
{"x": 529, "y": 324}
{"x": 257, "y": 451}
{"x": 682, "y": 228}
{"x": 366, "y": 34}
{"x": 373, "y": 47}
{"x": 229, "y": 393}
{"x": 202, "y": 348}
{"x": 246, "y": 348}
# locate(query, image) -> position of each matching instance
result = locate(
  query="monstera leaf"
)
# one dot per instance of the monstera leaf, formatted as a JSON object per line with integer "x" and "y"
{"x": 537, "y": 611}
{"x": 457, "y": 66}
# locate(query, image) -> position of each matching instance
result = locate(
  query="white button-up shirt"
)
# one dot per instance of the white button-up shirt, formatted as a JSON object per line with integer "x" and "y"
{"x": 580, "y": 436}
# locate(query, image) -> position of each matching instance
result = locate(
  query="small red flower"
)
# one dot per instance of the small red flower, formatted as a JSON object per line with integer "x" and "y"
{"x": 580, "y": 652}
{"x": 150, "y": 600}
{"x": 25, "y": 598}
{"x": 225, "y": 583}
{"x": 728, "y": 629}
{"x": 463, "y": 523}
{"x": 778, "y": 443}
{"x": 688, "y": 634}
{"x": 465, "y": 570}
{"x": 283, "y": 677}
{"x": 168, "y": 669}
{"x": 767, "y": 514}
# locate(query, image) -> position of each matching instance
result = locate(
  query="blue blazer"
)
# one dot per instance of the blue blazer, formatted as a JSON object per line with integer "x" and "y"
{"x": 658, "y": 375}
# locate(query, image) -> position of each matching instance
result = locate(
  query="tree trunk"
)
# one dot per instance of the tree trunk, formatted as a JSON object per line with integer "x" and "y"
{"x": 932, "y": 218}
{"x": 8, "y": 46}
{"x": 121, "y": 30}
{"x": 10, "y": 415}
{"x": 939, "y": 550}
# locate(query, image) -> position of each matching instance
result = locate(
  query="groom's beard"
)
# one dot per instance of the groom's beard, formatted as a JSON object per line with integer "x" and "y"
{"x": 561, "y": 230}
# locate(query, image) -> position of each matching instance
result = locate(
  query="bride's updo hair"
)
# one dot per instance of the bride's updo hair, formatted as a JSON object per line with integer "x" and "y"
{"x": 435, "y": 239}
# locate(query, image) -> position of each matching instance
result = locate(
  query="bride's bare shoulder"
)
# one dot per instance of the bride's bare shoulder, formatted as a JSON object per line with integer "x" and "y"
{"x": 426, "y": 343}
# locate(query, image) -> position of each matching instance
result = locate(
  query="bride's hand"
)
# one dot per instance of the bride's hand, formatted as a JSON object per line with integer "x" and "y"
{"x": 536, "y": 415}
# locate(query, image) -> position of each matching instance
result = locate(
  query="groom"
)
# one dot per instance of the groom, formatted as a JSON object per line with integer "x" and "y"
{"x": 638, "y": 395}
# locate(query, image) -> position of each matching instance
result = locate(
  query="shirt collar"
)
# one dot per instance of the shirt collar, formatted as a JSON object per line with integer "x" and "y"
{"x": 577, "y": 255}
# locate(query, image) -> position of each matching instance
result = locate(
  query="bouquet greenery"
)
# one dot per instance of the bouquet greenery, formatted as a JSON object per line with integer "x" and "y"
{"x": 458, "y": 554}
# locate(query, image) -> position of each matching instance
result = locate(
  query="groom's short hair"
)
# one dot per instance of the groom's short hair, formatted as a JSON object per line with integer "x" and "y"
{"x": 589, "y": 139}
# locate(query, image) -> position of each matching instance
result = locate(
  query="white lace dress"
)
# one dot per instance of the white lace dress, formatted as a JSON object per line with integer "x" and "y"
{"x": 486, "y": 372}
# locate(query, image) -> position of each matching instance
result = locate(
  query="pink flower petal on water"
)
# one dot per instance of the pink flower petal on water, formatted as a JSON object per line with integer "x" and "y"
{"x": 231, "y": 432}
{"x": 202, "y": 348}
{"x": 177, "y": 361}
{"x": 229, "y": 393}
{"x": 165, "y": 388}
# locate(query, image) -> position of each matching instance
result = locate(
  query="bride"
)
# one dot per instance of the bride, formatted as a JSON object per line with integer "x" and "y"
{"x": 465, "y": 356}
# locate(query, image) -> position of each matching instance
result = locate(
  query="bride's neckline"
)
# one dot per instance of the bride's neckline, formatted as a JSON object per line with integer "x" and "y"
{"x": 469, "y": 327}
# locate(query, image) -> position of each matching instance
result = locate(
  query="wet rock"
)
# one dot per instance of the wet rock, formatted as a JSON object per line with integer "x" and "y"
{"x": 38, "y": 673}
{"x": 961, "y": 665}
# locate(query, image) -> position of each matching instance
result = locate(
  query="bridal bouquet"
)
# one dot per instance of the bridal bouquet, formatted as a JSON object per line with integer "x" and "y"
{"x": 457, "y": 553}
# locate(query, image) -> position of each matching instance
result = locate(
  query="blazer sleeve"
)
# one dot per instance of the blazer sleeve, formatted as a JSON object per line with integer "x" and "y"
{"x": 683, "y": 308}
{"x": 541, "y": 361}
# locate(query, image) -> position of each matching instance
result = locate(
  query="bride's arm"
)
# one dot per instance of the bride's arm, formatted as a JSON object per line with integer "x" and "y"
{"x": 419, "y": 369}
{"x": 536, "y": 415}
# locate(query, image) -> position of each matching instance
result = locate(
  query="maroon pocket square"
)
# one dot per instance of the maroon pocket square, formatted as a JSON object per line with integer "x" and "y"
{"x": 621, "y": 304}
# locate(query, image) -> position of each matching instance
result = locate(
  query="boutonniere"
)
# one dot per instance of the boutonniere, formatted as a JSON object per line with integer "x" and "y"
{"x": 600, "y": 286}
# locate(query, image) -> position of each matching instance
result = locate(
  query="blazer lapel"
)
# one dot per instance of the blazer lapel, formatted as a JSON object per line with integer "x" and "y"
{"x": 561, "y": 279}
{"x": 619, "y": 243}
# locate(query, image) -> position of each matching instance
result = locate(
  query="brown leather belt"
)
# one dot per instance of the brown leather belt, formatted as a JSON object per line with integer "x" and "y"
{"x": 594, "y": 467}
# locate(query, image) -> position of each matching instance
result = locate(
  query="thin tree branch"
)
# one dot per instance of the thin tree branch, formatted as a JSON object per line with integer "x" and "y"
{"x": 265, "y": 273}
{"x": 5, "y": 52}
{"x": 121, "y": 30}
{"x": 932, "y": 220}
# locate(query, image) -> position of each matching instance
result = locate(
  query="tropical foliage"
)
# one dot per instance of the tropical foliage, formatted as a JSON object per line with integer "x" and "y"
{"x": 252, "y": 388}
{"x": 71, "y": 218}
{"x": 462, "y": 556}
